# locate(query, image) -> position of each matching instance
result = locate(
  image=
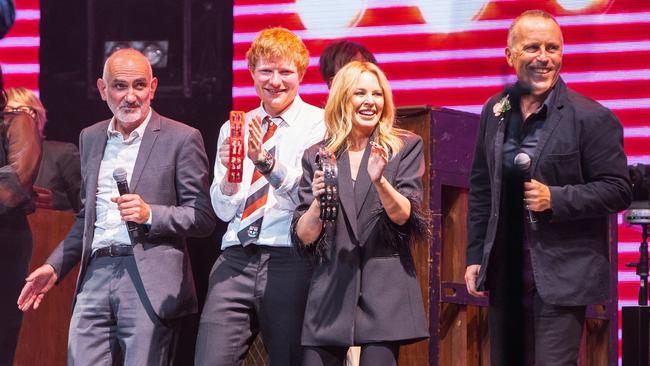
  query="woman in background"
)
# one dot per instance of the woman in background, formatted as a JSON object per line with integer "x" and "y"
{"x": 59, "y": 175}
{"x": 20, "y": 154}
{"x": 364, "y": 290}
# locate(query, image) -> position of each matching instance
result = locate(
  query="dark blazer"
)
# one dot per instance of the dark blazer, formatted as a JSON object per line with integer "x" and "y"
{"x": 171, "y": 175}
{"x": 364, "y": 287}
{"x": 580, "y": 157}
{"x": 60, "y": 172}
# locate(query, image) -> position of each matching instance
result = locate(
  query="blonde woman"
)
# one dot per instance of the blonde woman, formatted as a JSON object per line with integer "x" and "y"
{"x": 363, "y": 291}
{"x": 58, "y": 181}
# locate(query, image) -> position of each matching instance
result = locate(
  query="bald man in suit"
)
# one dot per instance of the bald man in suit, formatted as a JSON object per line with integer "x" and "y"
{"x": 131, "y": 289}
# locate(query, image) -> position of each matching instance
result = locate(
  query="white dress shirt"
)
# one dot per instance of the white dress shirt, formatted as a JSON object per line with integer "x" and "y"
{"x": 119, "y": 153}
{"x": 300, "y": 126}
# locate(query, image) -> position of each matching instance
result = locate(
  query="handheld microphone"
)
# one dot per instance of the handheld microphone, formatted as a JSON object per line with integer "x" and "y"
{"x": 119, "y": 174}
{"x": 523, "y": 162}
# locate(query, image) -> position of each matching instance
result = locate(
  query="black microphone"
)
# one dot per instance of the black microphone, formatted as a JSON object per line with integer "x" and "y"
{"x": 523, "y": 162}
{"x": 119, "y": 174}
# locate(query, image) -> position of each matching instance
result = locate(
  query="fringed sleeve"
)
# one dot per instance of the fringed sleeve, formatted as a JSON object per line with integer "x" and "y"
{"x": 318, "y": 249}
{"x": 416, "y": 229}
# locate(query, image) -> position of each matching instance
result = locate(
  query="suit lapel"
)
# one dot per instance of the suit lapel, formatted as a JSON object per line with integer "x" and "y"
{"x": 362, "y": 186}
{"x": 148, "y": 140}
{"x": 97, "y": 145}
{"x": 347, "y": 195}
{"x": 499, "y": 137}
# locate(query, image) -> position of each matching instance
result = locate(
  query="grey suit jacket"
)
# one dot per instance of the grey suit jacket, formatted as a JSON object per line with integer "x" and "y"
{"x": 364, "y": 289}
{"x": 580, "y": 157}
{"x": 171, "y": 175}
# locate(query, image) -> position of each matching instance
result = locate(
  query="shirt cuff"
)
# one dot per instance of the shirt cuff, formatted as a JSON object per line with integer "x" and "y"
{"x": 277, "y": 175}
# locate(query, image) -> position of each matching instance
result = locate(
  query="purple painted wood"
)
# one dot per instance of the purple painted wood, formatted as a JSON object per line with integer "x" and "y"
{"x": 451, "y": 137}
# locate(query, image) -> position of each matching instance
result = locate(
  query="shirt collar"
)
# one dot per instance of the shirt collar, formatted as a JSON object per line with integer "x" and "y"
{"x": 289, "y": 115}
{"x": 549, "y": 98}
{"x": 138, "y": 132}
{"x": 543, "y": 109}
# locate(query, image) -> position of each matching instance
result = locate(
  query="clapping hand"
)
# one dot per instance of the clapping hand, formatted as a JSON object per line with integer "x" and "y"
{"x": 255, "y": 149}
{"x": 377, "y": 162}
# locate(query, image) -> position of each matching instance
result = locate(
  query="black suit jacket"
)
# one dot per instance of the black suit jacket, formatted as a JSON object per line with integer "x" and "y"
{"x": 364, "y": 289}
{"x": 580, "y": 157}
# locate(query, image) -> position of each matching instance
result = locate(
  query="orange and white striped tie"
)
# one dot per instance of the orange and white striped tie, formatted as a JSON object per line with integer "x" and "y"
{"x": 258, "y": 192}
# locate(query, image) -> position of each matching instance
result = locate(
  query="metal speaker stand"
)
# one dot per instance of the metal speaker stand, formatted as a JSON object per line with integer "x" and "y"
{"x": 636, "y": 319}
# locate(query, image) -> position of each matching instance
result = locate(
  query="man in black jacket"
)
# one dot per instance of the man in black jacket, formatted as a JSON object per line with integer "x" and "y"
{"x": 542, "y": 275}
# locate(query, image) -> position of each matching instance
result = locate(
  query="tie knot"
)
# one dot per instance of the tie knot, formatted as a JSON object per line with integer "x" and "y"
{"x": 271, "y": 127}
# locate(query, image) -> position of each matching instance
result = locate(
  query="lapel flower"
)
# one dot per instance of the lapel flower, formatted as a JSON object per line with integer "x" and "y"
{"x": 502, "y": 106}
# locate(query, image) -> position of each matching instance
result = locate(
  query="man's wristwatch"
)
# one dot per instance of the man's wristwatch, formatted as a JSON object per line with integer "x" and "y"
{"x": 266, "y": 163}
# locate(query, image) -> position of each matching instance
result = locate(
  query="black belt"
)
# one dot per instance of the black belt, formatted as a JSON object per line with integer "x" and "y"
{"x": 113, "y": 251}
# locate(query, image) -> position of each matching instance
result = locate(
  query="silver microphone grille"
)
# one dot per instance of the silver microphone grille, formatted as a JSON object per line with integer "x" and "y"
{"x": 119, "y": 174}
{"x": 522, "y": 161}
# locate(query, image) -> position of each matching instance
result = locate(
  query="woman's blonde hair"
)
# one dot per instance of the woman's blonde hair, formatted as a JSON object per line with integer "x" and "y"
{"x": 278, "y": 44}
{"x": 26, "y": 97}
{"x": 339, "y": 109}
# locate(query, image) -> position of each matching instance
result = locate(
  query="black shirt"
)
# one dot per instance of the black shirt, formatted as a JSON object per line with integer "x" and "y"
{"x": 519, "y": 137}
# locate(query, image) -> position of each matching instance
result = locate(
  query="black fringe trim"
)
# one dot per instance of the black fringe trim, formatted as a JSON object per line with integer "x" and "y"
{"x": 319, "y": 249}
{"x": 417, "y": 228}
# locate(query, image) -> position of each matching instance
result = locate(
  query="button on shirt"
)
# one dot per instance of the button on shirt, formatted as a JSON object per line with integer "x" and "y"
{"x": 299, "y": 127}
{"x": 119, "y": 153}
{"x": 521, "y": 136}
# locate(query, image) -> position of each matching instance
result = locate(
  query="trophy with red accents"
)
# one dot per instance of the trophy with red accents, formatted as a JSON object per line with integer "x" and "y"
{"x": 236, "y": 158}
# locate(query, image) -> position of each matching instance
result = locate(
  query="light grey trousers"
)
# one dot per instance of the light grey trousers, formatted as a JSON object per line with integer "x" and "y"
{"x": 113, "y": 322}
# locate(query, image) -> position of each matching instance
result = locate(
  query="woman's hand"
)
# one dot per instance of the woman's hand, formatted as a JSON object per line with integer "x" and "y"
{"x": 309, "y": 225}
{"x": 377, "y": 162}
{"x": 318, "y": 186}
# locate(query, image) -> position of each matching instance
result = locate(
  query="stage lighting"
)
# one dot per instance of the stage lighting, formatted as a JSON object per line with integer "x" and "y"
{"x": 448, "y": 16}
{"x": 333, "y": 20}
{"x": 160, "y": 29}
{"x": 156, "y": 51}
{"x": 580, "y": 5}
{"x": 639, "y": 212}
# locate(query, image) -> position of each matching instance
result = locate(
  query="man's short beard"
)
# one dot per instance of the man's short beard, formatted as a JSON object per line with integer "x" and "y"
{"x": 128, "y": 117}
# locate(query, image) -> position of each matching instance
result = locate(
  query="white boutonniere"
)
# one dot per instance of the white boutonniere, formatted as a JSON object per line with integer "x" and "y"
{"x": 502, "y": 106}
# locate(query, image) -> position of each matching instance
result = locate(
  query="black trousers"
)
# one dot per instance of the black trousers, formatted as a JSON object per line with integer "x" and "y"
{"x": 16, "y": 248}
{"x": 524, "y": 330}
{"x": 254, "y": 289}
